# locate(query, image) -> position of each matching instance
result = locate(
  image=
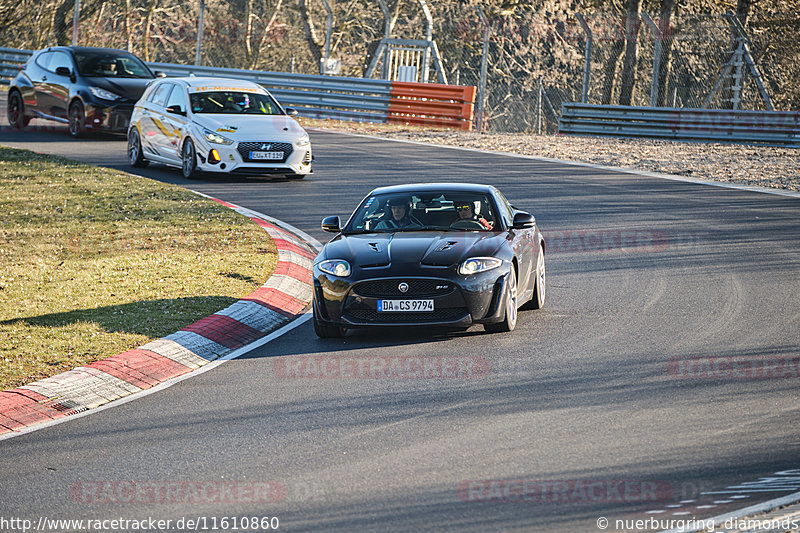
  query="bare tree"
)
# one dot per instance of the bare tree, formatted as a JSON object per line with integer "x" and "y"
{"x": 633, "y": 22}
{"x": 313, "y": 40}
{"x": 665, "y": 64}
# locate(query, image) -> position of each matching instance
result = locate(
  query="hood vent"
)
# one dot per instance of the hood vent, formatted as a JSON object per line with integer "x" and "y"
{"x": 446, "y": 246}
{"x": 376, "y": 246}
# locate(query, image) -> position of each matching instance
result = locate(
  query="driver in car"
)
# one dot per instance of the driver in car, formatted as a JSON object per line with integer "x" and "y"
{"x": 466, "y": 211}
{"x": 401, "y": 216}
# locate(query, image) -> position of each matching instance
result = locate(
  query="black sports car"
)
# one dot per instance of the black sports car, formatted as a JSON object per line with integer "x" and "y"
{"x": 87, "y": 88}
{"x": 445, "y": 254}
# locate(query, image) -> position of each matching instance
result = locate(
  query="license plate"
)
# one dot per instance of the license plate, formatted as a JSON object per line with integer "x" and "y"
{"x": 403, "y": 306}
{"x": 266, "y": 155}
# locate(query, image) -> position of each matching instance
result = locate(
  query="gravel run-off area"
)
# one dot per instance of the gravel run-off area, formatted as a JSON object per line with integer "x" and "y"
{"x": 765, "y": 166}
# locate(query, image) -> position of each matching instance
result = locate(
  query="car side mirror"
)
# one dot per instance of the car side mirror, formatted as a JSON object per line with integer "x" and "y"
{"x": 331, "y": 225}
{"x": 523, "y": 220}
{"x": 63, "y": 71}
{"x": 176, "y": 109}
{"x": 292, "y": 112}
{"x": 159, "y": 74}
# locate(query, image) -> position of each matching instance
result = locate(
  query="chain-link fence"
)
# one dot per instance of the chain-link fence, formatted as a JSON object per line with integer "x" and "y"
{"x": 534, "y": 61}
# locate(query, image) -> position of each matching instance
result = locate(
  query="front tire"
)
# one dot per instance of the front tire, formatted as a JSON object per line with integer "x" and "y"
{"x": 15, "y": 111}
{"x": 77, "y": 120}
{"x": 327, "y": 331}
{"x": 189, "y": 164}
{"x": 540, "y": 291}
{"x": 135, "y": 156}
{"x": 509, "y": 322}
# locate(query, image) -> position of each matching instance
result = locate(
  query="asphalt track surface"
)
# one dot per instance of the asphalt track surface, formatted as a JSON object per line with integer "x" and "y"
{"x": 644, "y": 275}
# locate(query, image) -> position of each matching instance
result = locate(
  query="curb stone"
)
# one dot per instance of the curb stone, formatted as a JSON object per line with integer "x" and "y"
{"x": 284, "y": 297}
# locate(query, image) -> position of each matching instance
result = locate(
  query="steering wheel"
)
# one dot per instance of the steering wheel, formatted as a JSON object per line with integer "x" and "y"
{"x": 467, "y": 224}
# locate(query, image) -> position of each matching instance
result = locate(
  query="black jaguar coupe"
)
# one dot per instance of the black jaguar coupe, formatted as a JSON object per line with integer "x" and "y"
{"x": 450, "y": 255}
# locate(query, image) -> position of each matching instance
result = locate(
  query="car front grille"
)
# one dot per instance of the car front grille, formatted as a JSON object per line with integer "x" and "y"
{"x": 417, "y": 288}
{"x": 244, "y": 149}
{"x": 439, "y": 315}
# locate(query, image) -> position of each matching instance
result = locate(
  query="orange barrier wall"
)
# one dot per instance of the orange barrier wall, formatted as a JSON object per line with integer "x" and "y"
{"x": 432, "y": 104}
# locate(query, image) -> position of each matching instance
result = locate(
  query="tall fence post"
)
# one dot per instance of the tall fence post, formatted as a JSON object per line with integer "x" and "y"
{"x": 200, "y": 23}
{"x": 481, "y": 103}
{"x": 76, "y": 17}
{"x": 587, "y": 62}
{"x": 426, "y": 62}
{"x": 328, "y": 31}
{"x": 539, "y": 107}
{"x": 659, "y": 38}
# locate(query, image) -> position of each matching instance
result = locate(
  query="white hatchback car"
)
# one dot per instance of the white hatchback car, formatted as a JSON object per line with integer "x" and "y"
{"x": 217, "y": 125}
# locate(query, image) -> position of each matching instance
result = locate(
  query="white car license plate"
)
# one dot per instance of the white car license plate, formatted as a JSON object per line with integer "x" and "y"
{"x": 271, "y": 156}
{"x": 402, "y": 306}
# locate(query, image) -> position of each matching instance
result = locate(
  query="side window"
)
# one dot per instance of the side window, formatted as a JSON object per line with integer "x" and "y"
{"x": 506, "y": 210}
{"x": 160, "y": 94}
{"x": 177, "y": 98}
{"x": 43, "y": 59}
{"x": 60, "y": 59}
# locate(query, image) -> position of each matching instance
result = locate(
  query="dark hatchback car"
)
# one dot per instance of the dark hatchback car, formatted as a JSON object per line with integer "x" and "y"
{"x": 87, "y": 88}
{"x": 435, "y": 254}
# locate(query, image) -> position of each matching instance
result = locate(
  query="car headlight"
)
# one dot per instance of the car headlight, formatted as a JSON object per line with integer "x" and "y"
{"x": 303, "y": 141}
{"x": 474, "y": 265}
{"x": 215, "y": 138}
{"x": 335, "y": 267}
{"x": 104, "y": 94}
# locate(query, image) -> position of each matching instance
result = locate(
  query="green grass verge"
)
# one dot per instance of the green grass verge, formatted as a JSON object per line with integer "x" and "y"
{"x": 95, "y": 261}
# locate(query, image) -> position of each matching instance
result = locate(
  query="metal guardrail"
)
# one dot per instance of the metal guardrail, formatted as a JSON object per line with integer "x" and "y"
{"x": 432, "y": 104}
{"x": 353, "y": 99}
{"x": 10, "y": 60}
{"x": 335, "y": 97}
{"x": 313, "y": 96}
{"x": 772, "y": 127}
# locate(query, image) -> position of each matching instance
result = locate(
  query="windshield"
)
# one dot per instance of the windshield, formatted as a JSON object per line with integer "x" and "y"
{"x": 109, "y": 65}
{"x": 234, "y": 103}
{"x": 445, "y": 211}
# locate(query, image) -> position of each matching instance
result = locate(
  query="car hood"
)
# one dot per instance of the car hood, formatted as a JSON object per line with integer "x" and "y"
{"x": 249, "y": 127}
{"x": 435, "y": 248}
{"x": 130, "y": 88}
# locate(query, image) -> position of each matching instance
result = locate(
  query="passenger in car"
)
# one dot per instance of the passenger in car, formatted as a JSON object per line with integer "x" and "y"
{"x": 399, "y": 215}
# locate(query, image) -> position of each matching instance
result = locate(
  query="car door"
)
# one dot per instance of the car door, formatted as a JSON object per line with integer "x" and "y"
{"x": 522, "y": 244}
{"x": 59, "y": 82}
{"x": 150, "y": 125}
{"x": 39, "y": 75}
{"x": 175, "y": 122}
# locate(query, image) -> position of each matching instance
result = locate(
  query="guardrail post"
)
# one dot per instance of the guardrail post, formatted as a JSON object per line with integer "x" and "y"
{"x": 481, "y": 103}
{"x": 659, "y": 37}
{"x": 587, "y": 62}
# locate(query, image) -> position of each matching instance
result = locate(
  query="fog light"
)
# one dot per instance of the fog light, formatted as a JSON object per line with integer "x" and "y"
{"x": 213, "y": 156}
